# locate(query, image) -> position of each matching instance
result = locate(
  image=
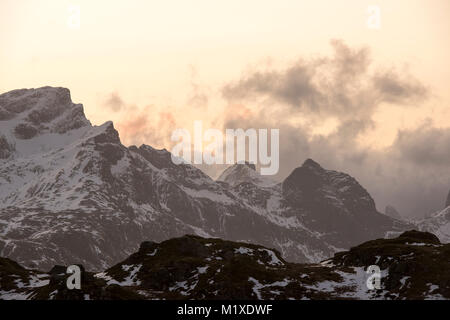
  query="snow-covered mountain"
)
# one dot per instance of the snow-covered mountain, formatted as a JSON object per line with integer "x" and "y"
{"x": 71, "y": 193}
{"x": 244, "y": 172}
{"x": 438, "y": 223}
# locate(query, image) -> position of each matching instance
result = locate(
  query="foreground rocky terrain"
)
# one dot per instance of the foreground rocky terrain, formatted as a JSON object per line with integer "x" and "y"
{"x": 413, "y": 266}
{"x": 70, "y": 193}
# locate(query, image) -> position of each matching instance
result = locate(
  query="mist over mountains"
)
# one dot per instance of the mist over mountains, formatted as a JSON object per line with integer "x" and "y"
{"x": 70, "y": 192}
{"x": 381, "y": 123}
{"x": 347, "y": 90}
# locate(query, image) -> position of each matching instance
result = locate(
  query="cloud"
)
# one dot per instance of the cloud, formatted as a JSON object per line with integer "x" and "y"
{"x": 342, "y": 86}
{"x": 394, "y": 89}
{"x": 147, "y": 125}
{"x": 413, "y": 174}
{"x": 114, "y": 102}
{"x": 424, "y": 146}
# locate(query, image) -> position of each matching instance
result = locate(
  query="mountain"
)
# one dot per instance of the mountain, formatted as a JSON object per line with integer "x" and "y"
{"x": 437, "y": 223}
{"x": 71, "y": 193}
{"x": 244, "y": 173}
{"x": 392, "y": 212}
{"x": 193, "y": 267}
{"x": 335, "y": 205}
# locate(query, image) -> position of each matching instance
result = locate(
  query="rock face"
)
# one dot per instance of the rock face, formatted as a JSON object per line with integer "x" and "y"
{"x": 334, "y": 204}
{"x": 438, "y": 223}
{"x": 197, "y": 268}
{"x": 392, "y": 212}
{"x": 244, "y": 173}
{"x": 71, "y": 193}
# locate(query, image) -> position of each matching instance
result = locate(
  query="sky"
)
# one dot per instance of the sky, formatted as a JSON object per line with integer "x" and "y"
{"x": 372, "y": 101}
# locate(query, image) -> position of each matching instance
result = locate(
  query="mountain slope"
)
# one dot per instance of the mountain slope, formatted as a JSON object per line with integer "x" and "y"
{"x": 244, "y": 172}
{"x": 196, "y": 268}
{"x": 392, "y": 212}
{"x": 439, "y": 224}
{"x": 334, "y": 204}
{"x": 71, "y": 193}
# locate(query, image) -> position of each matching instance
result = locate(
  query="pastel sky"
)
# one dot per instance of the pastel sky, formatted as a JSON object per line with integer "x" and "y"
{"x": 152, "y": 66}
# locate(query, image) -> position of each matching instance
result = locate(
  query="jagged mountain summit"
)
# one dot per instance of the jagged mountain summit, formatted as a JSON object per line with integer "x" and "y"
{"x": 193, "y": 267}
{"x": 244, "y": 172}
{"x": 335, "y": 205}
{"x": 71, "y": 193}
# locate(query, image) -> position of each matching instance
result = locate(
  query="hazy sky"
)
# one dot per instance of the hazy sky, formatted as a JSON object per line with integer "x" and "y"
{"x": 372, "y": 102}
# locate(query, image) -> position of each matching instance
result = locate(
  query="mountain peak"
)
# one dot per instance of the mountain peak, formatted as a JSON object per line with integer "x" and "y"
{"x": 23, "y": 100}
{"x": 30, "y": 112}
{"x": 244, "y": 172}
{"x": 310, "y": 163}
{"x": 309, "y": 176}
{"x": 251, "y": 165}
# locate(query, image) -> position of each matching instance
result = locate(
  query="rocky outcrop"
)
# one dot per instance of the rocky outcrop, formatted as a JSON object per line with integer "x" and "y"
{"x": 334, "y": 204}
{"x": 411, "y": 267}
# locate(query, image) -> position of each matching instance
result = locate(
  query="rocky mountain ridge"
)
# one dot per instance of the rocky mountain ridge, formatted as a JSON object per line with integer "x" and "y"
{"x": 71, "y": 193}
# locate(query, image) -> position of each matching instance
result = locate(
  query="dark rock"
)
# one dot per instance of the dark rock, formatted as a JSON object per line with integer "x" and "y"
{"x": 419, "y": 236}
{"x": 110, "y": 135}
{"x": 25, "y": 131}
{"x": 231, "y": 270}
{"x": 334, "y": 203}
{"x": 147, "y": 246}
{"x": 56, "y": 270}
{"x": 57, "y": 274}
{"x": 6, "y": 149}
{"x": 249, "y": 164}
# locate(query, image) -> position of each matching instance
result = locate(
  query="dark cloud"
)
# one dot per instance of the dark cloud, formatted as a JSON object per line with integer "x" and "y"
{"x": 293, "y": 86}
{"x": 413, "y": 174}
{"x": 394, "y": 89}
{"x": 424, "y": 146}
{"x": 114, "y": 102}
{"x": 341, "y": 86}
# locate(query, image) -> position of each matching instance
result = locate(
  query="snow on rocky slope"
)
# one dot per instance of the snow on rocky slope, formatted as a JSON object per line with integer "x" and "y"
{"x": 244, "y": 172}
{"x": 197, "y": 268}
{"x": 438, "y": 223}
{"x": 71, "y": 193}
